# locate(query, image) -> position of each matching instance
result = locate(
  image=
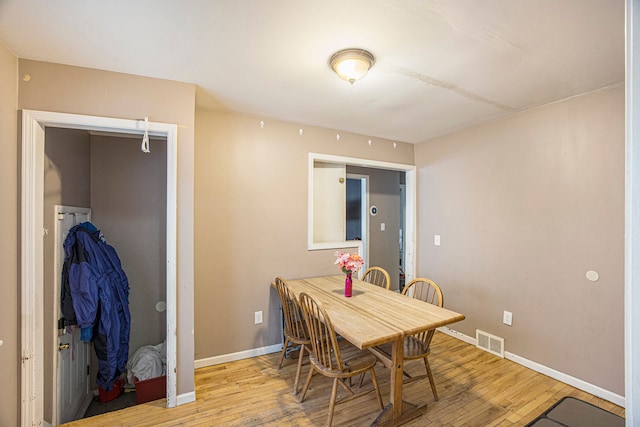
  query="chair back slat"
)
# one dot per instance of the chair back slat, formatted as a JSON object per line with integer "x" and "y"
{"x": 294, "y": 324}
{"x": 428, "y": 291}
{"x": 377, "y": 276}
{"x": 324, "y": 342}
{"x": 425, "y": 290}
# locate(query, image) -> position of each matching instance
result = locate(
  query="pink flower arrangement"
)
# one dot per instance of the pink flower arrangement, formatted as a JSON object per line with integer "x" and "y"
{"x": 349, "y": 263}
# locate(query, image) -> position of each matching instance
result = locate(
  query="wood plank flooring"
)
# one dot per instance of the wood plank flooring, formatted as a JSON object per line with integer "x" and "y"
{"x": 475, "y": 389}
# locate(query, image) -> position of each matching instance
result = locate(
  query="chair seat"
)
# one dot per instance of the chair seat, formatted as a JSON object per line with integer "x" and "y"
{"x": 354, "y": 364}
{"x": 413, "y": 349}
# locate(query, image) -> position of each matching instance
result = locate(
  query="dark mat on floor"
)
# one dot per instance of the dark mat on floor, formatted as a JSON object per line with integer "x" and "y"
{"x": 572, "y": 412}
{"x": 123, "y": 401}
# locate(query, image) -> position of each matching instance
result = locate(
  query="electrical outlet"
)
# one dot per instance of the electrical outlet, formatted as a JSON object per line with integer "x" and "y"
{"x": 507, "y": 318}
{"x": 258, "y": 317}
{"x": 436, "y": 240}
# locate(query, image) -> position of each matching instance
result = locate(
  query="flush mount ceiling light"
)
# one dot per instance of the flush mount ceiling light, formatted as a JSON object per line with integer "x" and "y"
{"x": 351, "y": 64}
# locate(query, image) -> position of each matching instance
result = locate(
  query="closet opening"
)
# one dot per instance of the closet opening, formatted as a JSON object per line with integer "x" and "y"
{"x": 95, "y": 164}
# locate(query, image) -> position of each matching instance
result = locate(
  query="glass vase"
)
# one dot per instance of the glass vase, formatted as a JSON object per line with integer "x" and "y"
{"x": 347, "y": 285}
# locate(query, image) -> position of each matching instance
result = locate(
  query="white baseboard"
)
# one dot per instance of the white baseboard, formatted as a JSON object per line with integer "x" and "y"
{"x": 456, "y": 334}
{"x": 186, "y": 398}
{"x": 568, "y": 379}
{"x": 232, "y": 357}
{"x": 557, "y": 375}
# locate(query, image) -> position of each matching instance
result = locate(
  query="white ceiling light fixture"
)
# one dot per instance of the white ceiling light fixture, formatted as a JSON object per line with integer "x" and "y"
{"x": 351, "y": 64}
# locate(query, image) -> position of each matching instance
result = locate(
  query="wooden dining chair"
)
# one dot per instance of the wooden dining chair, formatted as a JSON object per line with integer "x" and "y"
{"x": 416, "y": 346}
{"x": 326, "y": 357}
{"x": 377, "y": 276}
{"x": 295, "y": 329}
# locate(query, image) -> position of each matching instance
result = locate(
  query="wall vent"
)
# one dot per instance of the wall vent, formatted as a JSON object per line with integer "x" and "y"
{"x": 490, "y": 343}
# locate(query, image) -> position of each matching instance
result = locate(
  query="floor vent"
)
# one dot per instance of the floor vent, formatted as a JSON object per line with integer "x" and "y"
{"x": 490, "y": 343}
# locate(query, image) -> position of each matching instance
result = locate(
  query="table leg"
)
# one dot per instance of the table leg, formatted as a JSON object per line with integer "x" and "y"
{"x": 397, "y": 412}
{"x": 397, "y": 368}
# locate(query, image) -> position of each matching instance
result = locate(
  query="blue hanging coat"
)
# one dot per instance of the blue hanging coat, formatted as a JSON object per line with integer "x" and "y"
{"x": 95, "y": 296}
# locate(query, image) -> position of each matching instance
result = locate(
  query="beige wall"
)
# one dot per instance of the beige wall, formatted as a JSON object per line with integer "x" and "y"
{"x": 128, "y": 201}
{"x": 525, "y": 206}
{"x": 9, "y": 230}
{"x": 61, "y": 88}
{"x": 66, "y": 169}
{"x": 251, "y": 220}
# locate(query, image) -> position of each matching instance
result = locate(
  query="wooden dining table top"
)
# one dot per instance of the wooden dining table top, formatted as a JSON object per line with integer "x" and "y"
{"x": 372, "y": 315}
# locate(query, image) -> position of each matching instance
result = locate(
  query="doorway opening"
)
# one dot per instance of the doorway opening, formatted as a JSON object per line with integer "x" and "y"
{"x": 34, "y": 125}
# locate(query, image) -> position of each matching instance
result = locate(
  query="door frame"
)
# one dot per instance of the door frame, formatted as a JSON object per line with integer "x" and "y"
{"x": 34, "y": 124}
{"x": 403, "y": 197}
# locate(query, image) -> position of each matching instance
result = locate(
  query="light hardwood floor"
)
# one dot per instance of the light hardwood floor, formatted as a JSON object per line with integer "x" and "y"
{"x": 475, "y": 389}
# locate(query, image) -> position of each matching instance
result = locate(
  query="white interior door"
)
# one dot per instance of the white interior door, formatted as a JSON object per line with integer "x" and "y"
{"x": 71, "y": 356}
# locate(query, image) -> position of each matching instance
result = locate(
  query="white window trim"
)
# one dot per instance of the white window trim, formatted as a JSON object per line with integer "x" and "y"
{"x": 410, "y": 208}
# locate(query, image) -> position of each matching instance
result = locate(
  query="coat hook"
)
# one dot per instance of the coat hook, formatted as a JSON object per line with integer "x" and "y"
{"x": 145, "y": 138}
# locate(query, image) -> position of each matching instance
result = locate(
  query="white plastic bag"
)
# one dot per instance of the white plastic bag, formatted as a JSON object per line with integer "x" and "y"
{"x": 149, "y": 361}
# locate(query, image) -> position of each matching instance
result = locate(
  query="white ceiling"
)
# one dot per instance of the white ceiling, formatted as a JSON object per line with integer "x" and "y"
{"x": 441, "y": 65}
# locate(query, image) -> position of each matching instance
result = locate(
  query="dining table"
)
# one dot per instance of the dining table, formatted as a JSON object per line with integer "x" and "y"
{"x": 373, "y": 316}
